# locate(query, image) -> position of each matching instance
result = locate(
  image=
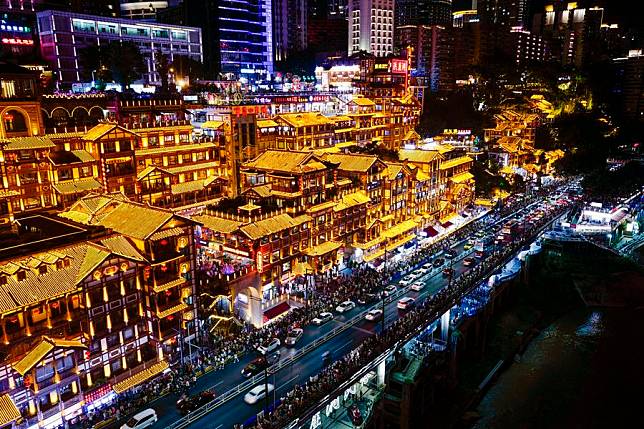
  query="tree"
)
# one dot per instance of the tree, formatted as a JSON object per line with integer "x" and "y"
{"x": 189, "y": 68}
{"x": 162, "y": 63}
{"x": 119, "y": 62}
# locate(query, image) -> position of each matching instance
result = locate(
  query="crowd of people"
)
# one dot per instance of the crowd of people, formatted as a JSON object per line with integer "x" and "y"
{"x": 302, "y": 397}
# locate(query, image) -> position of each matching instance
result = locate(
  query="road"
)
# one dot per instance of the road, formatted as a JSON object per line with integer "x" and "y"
{"x": 237, "y": 411}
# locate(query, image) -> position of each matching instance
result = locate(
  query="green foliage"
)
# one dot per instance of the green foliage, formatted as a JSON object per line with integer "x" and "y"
{"x": 454, "y": 111}
{"x": 163, "y": 68}
{"x": 383, "y": 153}
{"x": 186, "y": 67}
{"x": 487, "y": 181}
{"x": 119, "y": 62}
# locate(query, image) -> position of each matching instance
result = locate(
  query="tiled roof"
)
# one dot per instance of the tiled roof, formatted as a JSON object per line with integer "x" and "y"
{"x": 263, "y": 191}
{"x": 418, "y": 155}
{"x": 286, "y": 161}
{"x": 122, "y": 246}
{"x": 182, "y": 188}
{"x": 174, "y": 148}
{"x": 174, "y": 309}
{"x": 147, "y": 170}
{"x": 101, "y": 129}
{"x": 212, "y": 125}
{"x": 40, "y": 350}
{"x": 450, "y": 163}
{"x": 169, "y": 285}
{"x": 353, "y": 163}
{"x": 140, "y": 377}
{"x": 167, "y": 233}
{"x": 8, "y": 411}
{"x": 83, "y": 155}
{"x": 266, "y": 123}
{"x": 393, "y": 169}
{"x": 77, "y": 186}
{"x": 352, "y": 200}
{"x": 323, "y": 249}
{"x": 304, "y": 119}
{"x": 362, "y": 101}
{"x": 322, "y": 206}
{"x": 6, "y": 193}
{"x": 271, "y": 225}
{"x": 191, "y": 167}
{"x": 218, "y": 224}
{"x": 462, "y": 177}
{"x": 400, "y": 228}
{"x": 23, "y": 143}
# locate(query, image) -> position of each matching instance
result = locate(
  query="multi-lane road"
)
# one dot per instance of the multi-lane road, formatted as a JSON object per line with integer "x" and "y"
{"x": 236, "y": 410}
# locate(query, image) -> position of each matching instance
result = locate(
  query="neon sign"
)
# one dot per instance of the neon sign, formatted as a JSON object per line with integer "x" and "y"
{"x": 14, "y": 41}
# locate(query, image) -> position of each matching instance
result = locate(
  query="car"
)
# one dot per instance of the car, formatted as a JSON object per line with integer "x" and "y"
{"x": 468, "y": 245}
{"x": 141, "y": 420}
{"x": 373, "y": 315}
{"x": 439, "y": 262}
{"x": 322, "y": 318}
{"x": 345, "y": 306}
{"x": 293, "y": 336}
{"x": 269, "y": 346}
{"x": 423, "y": 270}
{"x": 254, "y": 367}
{"x": 406, "y": 303}
{"x": 448, "y": 272}
{"x": 428, "y": 266}
{"x": 389, "y": 290}
{"x": 469, "y": 261}
{"x": 405, "y": 282}
{"x": 187, "y": 404}
{"x": 258, "y": 393}
{"x": 367, "y": 298}
{"x": 451, "y": 254}
{"x": 418, "y": 286}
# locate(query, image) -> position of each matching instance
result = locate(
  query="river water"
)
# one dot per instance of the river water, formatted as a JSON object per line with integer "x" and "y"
{"x": 585, "y": 370}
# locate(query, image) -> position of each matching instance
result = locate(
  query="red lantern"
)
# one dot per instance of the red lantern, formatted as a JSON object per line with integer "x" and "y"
{"x": 27, "y": 380}
{"x": 163, "y": 242}
{"x": 170, "y": 318}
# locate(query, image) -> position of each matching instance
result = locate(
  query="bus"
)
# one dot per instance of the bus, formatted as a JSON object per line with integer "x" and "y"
{"x": 483, "y": 246}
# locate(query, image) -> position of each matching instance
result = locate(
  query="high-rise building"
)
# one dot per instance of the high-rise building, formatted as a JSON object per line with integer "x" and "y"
{"x": 423, "y": 12}
{"x": 525, "y": 47}
{"x": 629, "y": 84}
{"x": 371, "y": 26}
{"x": 432, "y": 54}
{"x": 504, "y": 13}
{"x": 237, "y": 35}
{"x": 290, "y": 22}
{"x": 467, "y": 42}
{"x": 573, "y": 34}
{"x": 63, "y": 35}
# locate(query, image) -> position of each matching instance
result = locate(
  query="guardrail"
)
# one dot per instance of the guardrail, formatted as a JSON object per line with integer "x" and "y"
{"x": 249, "y": 383}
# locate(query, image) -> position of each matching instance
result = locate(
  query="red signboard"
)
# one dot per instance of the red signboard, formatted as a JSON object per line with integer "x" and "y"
{"x": 398, "y": 66}
{"x": 249, "y": 110}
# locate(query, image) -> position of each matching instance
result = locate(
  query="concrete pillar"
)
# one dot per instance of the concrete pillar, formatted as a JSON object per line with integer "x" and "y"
{"x": 445, "y": 326}
{"x": 381, "y": 373}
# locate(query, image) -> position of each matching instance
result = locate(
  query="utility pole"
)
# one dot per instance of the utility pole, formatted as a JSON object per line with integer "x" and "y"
{"x": 266, "y": 388}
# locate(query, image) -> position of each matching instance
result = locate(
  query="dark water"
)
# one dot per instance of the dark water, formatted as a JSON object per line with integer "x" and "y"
{"x": 586, "y": 370}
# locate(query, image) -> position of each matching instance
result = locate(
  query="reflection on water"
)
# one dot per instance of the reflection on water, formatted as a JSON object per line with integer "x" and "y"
{"x": 583, "y": 371}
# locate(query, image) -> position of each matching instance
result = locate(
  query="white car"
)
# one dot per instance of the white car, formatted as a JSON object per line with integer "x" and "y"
{"x": 407, "y": 280}
{"x": 144, "y": 419}
{"x": 373, "y": 315}
{"x": 422, "y": 271}
{"x": 322, "y": 318}
{"x": 428, "y": 267}
{"x": 406, "y": 303}
{"x": 269, "y": 346}
{"x": 345, "y": 306}
{"x": 293, "y": 336}
{"x": 417, "y": 286}
{"x": 258, "y": 393}
{"x": 388, "y": 290}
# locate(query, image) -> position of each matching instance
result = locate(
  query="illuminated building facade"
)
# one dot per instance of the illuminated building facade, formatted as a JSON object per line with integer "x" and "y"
{"x": 371, "y": 27}
{"x": 142, "y": 9}
{"x": 290, "y": 23}
{"x": 64, "y": 34}
{"x": 511, "y": 123}
{"x": 84, "y": 321}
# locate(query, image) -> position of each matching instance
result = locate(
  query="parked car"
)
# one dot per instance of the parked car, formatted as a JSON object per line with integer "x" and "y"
{"x": 141, "y": 420}
{"x": 469, "y": 244}
{"x": 269, "y": 346}
{"x": 322, "y": 318}
{"x": 469, "y": 261}
{"x": 418, "y": 286}
{"x": 293, "y": 336}
{"x": 405, "y": 303}
{"x": 367, "y": 298}
{"x": 389, "y": 290}
{"x": 428, "y": 266}
{"x": 258, "y": 393}
{"x": 451, "y": 254}
{"x": 438, "y": 262}
{"x": 373, "y": 315}
{"x": 345, "y": 306}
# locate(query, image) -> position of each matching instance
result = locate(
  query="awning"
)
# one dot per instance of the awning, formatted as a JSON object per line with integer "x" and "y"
{"x": 8, "y": 410}
{"x": 396, "y": 244}
{"x": 42, "y": 349}
{"x": 373, "y": 256}
{"x": 73, "y": 187}
{"x": 446, "y": 224}
{"x": 166, "y": 233}
{"x": 431, "y": 232}
{"x": 177, "y": 308}
{"x": 276, "y": 311}
{"x": 140, "y": 377}
{"x": 169, "y": 285}
{"x": 400, "y": 228}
